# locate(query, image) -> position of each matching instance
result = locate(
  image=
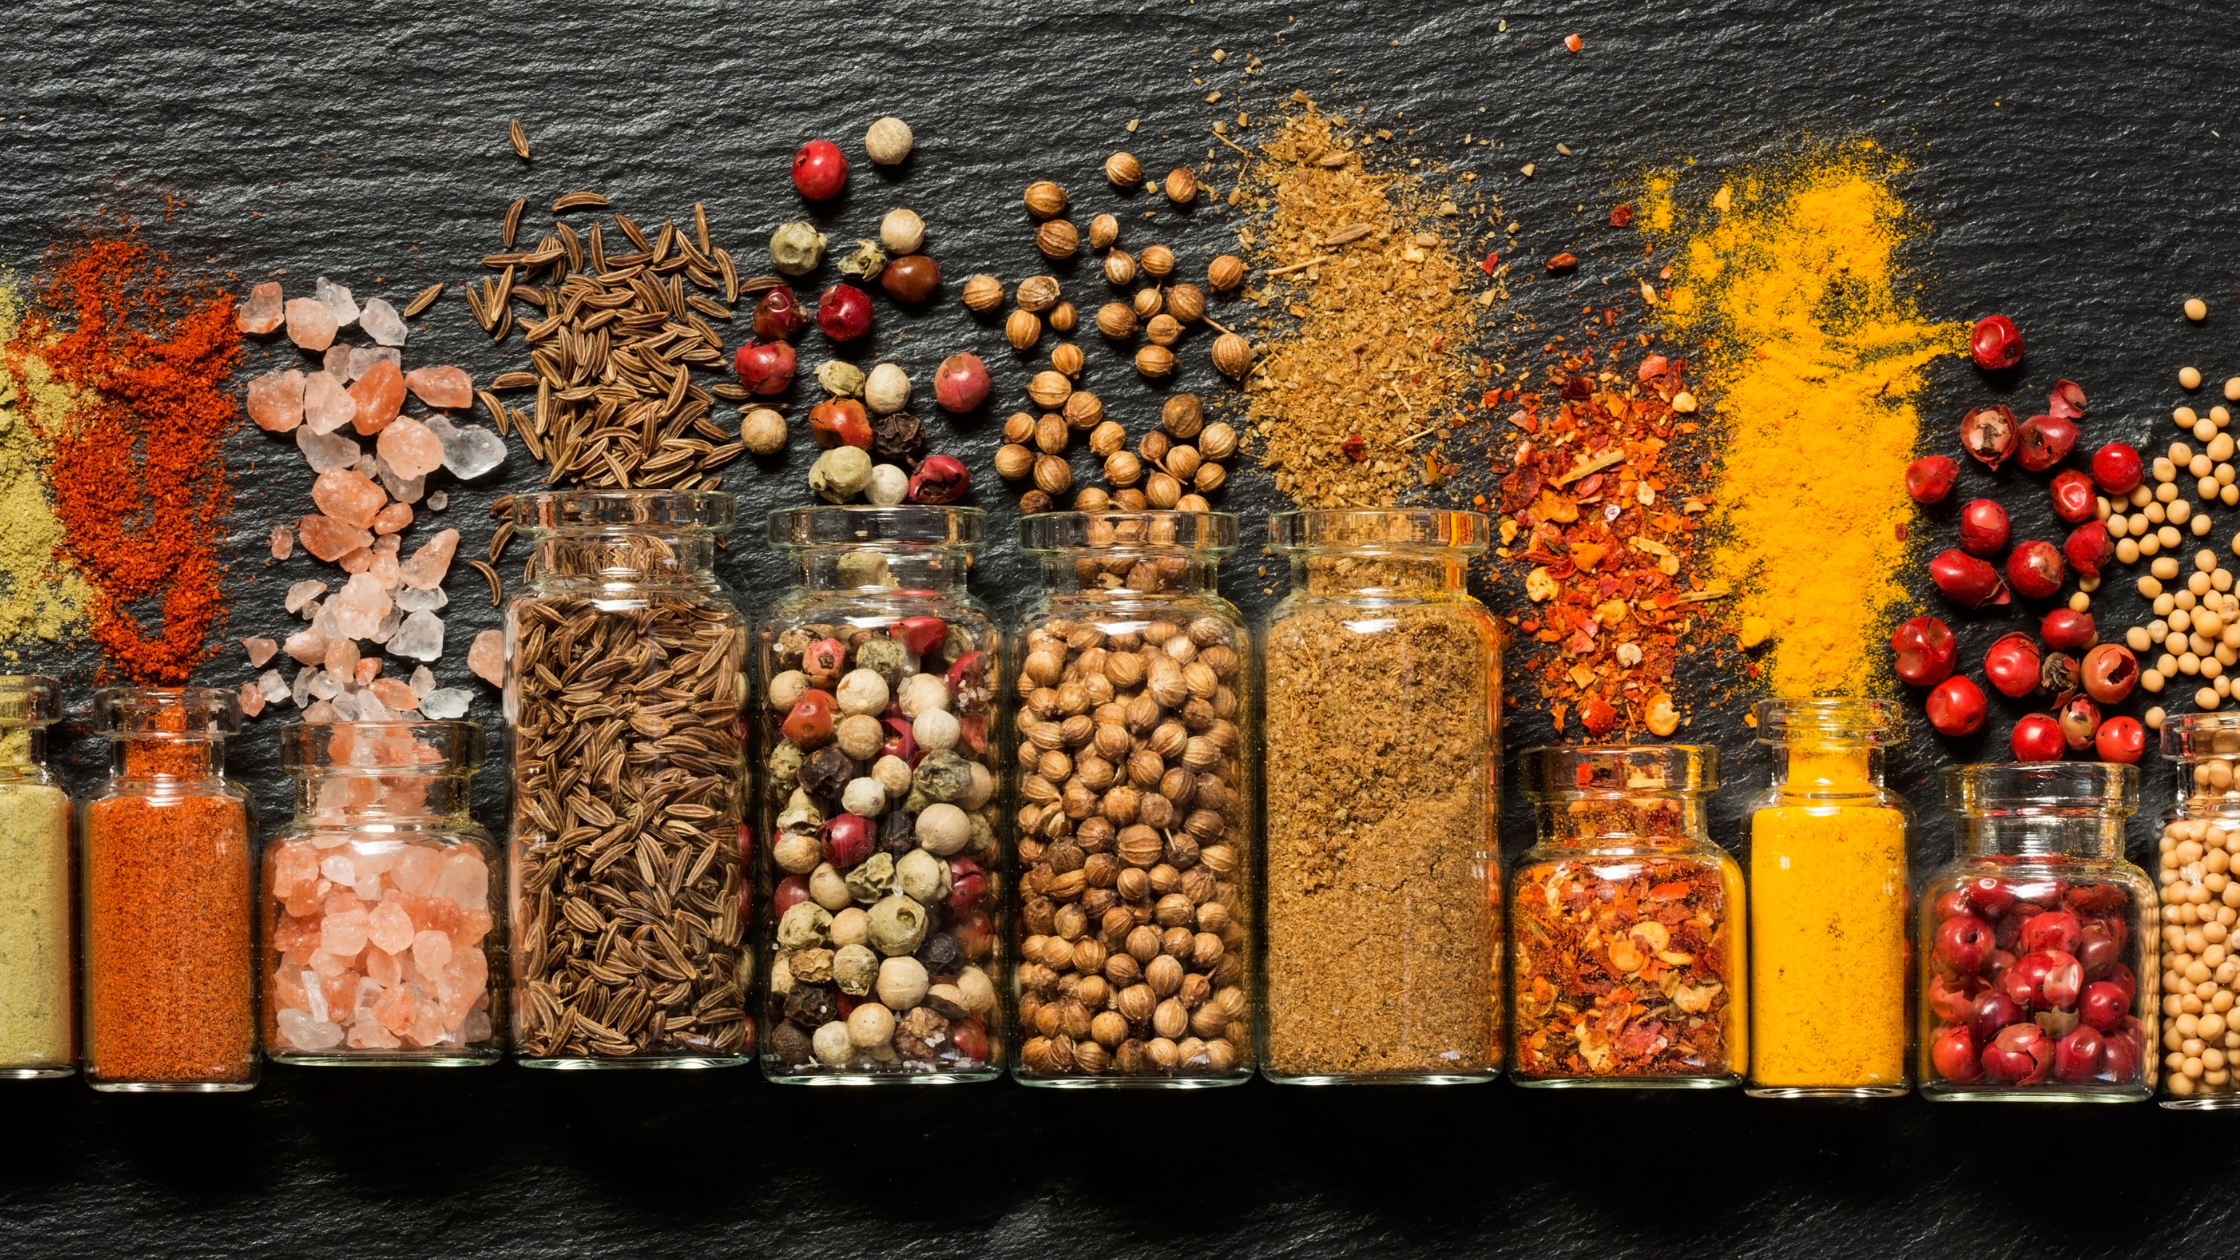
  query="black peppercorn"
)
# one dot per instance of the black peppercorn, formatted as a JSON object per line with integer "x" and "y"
{"x": 791, "y": 1045}
{"x": 897, "y": 834}
{"x": 811, "y": 1006}
{"x": 898, "y": 438}
{"x": 941, "y": 953}
{"x": 827, "y": 771}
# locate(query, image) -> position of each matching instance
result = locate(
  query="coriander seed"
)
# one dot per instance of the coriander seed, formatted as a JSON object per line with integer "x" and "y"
{"x": 982, "y": 294}
{"x": 1218, "y": 441}
{"x": 1157, "y": 261}
{"x": 1083, "y": 410}
{"x": 1052, "y": 474}
{"x": 1182, "y": 186}
{"x": 1163, "y": 330}
{"x": 1103, "y": 231}
{"x": 1116, "y": 320}
{"x": 1050, "y": 389}
{"x": 1013, "y": 462}
{"x": 1122, "y": 469}
{"x": 1067, "y": 357}
{"x": 1091, "y": 499}
{"x": 1232, "y": 355}
{"x": 1045, "y": 200}
{"x": 1107, "y": 437}
{"x": 1147, "y": 303}
{"x": 1156, "y": 362}
{"x": 1057, "y": 239}
{"x": 1119, "y": 268}
{"x": 1225, "y": 273}
{"x": 1182, "y": 416}
{"x": 1186, "y": 302}
{"x": 1051, "y": 434}
{"x": 1022, "y": 329}
{"x": 1123, "y": 171}
{"x": 1209, "y": 478}
{"x": 1037, "y": 294}
{"x": 1018, "y": 427}
{"x": 1034, "y": 501}
{"x": 1063, "y": 318}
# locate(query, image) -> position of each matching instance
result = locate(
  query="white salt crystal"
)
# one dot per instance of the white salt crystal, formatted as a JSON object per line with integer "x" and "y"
{"x": 445, "y": 704}
{"x": 336, "y": 363}
{"x": 381, "y": 322}
{"x": 326, "y": 451}
{"x": 438, "y": 501}
{"x": 472, "y": 451}
{"x": 324, "y": 686}
{"x": 388, "y": 627}
{"x": 302, "y": 690}
{"x": 421, "y": 638}
{"x": 412, "y": 599}
{"x": 362, "y": 358}
{"x": 272, "y": 686}
{"x": 345, "y": 705}
{"x": 401, "y": 490}
{"x": 310, "y": 610}
{"x": 360, "y": 606}
{"x": 320, "y": 711}
{"x": 337, "y": 300}
{"x": 370, "y": 708}
{"x": 301, "y": 593}
{"x": 423, "y": 681}
{"x": 369, "y": 465}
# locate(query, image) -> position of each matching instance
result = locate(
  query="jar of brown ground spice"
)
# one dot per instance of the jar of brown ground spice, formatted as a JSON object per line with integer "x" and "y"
{"x": 1382, "y": 736}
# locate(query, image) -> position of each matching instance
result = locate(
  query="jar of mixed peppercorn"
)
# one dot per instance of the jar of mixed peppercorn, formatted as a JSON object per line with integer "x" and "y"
{"x": 1626, "y": 923}
{"x": 2038, "y": 951}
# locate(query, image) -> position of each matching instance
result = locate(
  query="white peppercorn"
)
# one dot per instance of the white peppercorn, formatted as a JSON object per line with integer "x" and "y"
{"x": 889, "y": 485}
{"x": 763, "y": 431}
{"x": 841, "y": 474}
{"x": 887, "y": 141}
{"x": 886, "y": 390}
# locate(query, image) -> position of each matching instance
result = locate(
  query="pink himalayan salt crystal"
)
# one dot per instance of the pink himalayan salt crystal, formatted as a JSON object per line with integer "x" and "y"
{"x": 369, "y": 668}
{"x": 416, "y": 870}
{"x": 389, "y": 927}
{"x": 441, "y": 387}
{"x": 347, "y": 496}
{"x": 392, "y": 518}
{"x": 360, "y": 606}
{"x": 358, "y": 560}
{"x": 327, "y": 404}
{"x": 293, "y": 866}
{"x": 379, "y": 394}
{"x": 465, "y": 880}
{"x": 426, "y": 569}
{"x": 410, "y": 449}
{"x": 276, "y": 400}
{"x": 306, "y": 647}
{"x": 487, "y": 657}
{"x": 283, "y": 542}
{"x": 384, "y": 567}
{"x": 310, "y": 324}
{"x": 342, "y": 935}
{"x": 395, "y": 1010}
{"x": 336, "y": 362}
{"x": 252, "y": 700}
{"x": 330, "y": 539}
{"x": 261, "y": 313}
{"x": 430, "y": 951}
{"x": 368, "y": 1034}
{"x": 341, "y": 658}
{"x": 320, "y": 711}
{"x": 394, "y": 692}
{"x": 260, "y": 650}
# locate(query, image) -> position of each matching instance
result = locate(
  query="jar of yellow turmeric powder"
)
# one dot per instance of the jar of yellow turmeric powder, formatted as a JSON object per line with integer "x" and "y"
{"x": 1626, "y": 924}
{"x": 2199, "y": 850}
{"x": 1828, "y": 901}
{"x": 2039, "y": 968}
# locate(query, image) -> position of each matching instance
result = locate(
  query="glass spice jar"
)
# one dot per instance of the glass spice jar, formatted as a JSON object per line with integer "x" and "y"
{"x": 625, "y": 677}
{"x": 38, "y": 1027}
{"x": 380, "y": 935}
{"x": 1132, "y": 678}
{"x": 170, "y": 969}
{"x": 880, "y": 717}
{"x": 2037, "y": 944}
{"x": 1829, "y": 906}
{"x": 1382, "y": 738}
{"x": 1626, "y": 925}
{"x": 2200, "y": 899}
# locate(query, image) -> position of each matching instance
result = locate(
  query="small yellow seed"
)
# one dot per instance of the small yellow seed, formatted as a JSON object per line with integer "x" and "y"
{"x": 2189, "y": 377}
{"x": 2196, "y": 310}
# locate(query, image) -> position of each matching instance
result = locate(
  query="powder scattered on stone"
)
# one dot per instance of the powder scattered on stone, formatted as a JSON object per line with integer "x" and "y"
{"x": 40, "y": 595}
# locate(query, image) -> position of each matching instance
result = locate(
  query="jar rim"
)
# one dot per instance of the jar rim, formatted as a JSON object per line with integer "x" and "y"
{"x": 1208, "y": 533}
{"x": 1380, "y": 529}
{"x": 1830, "y": 722}
{"x": 1558, "y": 771}
{"x": 2193, "y": 736}
{"x": 599, "y": 511}
{"x": 435, "y": 747}
{"x": 30, "y": 700}
{"x": 2047, "y": 788}
{"x": 166, "y": 712}
{"x": 947, "y": 527}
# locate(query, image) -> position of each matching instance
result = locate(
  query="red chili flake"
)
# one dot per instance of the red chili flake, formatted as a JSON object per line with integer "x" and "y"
{"x": 1354, "y": 447}
{"x": 1492, "y": 260}
{"x": 1621, "y": 215}
{"x": 1562, "y": 263}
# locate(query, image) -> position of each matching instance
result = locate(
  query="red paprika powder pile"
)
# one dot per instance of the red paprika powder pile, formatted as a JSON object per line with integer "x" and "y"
{"x": 136, "y": 473}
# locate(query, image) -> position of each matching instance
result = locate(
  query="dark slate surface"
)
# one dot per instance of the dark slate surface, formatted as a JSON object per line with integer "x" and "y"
{"x": 2066, "y": 154}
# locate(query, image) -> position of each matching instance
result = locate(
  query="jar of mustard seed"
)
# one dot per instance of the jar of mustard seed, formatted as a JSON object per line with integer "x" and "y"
{"x": 2200, "y": 899}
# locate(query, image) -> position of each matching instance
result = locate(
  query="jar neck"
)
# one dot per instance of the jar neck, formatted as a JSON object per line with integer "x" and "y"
{"x": 1425, "y": 574}
{"x": 1662, "y": 820}
{"x": 351, "y": 796}
{"x": 1816, "y": 770}
{"x": 2042, "y": 835}
{"x": 165, "y": 757}
{"x": 645, "y": 557}
{"x": 23, "y": 749}
{"x": 1123, "y": 572}
{"x": 882, "y": 567}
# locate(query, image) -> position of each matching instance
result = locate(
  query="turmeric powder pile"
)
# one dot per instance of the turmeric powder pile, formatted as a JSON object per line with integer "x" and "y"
{"x": 1793, "y": 279}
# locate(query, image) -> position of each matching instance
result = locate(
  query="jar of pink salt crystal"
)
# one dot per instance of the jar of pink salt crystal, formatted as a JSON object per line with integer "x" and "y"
{"x": 382, "y": 944}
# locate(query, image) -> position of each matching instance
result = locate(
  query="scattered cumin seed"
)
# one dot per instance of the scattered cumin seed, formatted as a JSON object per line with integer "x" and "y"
{"x": 518, "y": 137}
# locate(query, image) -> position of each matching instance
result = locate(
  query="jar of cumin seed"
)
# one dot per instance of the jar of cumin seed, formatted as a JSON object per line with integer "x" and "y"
{"x": 625, "y": 675}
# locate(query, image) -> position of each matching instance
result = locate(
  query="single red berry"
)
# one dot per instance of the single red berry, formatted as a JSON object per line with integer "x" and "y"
{"x": 2116, "y": 468}
{"x": 2067, "y": 630}
{"x": 2066, "y": 401}
{"x": 1965, "y": 580}
{"x": 1954, "y": 1055}
{"x": 2012, "y": 664}
{"x": 1989, "y": 434}
{"x": 1983, "y": 527}
{"x": 844, "y": 312}
{"x": 820, "y": 170}
{"x": 941, "y": 479}
{"x": 778, "y": 315}
{"x": 2087, "y": 548}
{"x": 1996, "y": 344}
{"x": 960, "y": 384}
{"x": 2072, "y": 496}
{"x": 765, "y": 368}
{"x": 2035, "y": 570}
{"x": 840, "y": 422}
{"x": 1956, "y": 707}
{"x": 1929, "y": 479}
{"x": 2110, "y": 672}
{"x": 2080, "y": 722}
{"x": 2046, "y": 441}
{"x": 2121, "y": 739}
{"x": 1925, "y": 648}
{"x": 2037, "y": 737}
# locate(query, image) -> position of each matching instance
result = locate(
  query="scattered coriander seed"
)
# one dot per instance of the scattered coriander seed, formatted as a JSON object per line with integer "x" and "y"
{"x": 1014, "y": 462}
{"x": 1104, "y": 230}
{"x": 1022, "y": 329}
{"x": 1062, "y": 319}
{"x": 763, "y": 431}
{"x": 1052, "y": 474}
{"x": 1037, "y": 294}
{"x": 1106, "y": 438}
{"x": 1232, "y": 356}
{"x": 1083, "y": 410}
{"x": 1147, "y": 303}
{"x": 1122, "y": 469}
{"x": 1018, "y": 427}
{"x": 902, "y": 231}
{"x": 2196, "y": 310}
{"x": 1226, "y": 272}
{"x": 1156, "y": 362}
{"x": 1116, "y": 320}
{"x": 1119, "y": 267}
{"x": 2189, "y": 377}
{"x": 888, "y": 142}
{"x": 1051, "y": 434}
{"x": 1163, "y": 330}
{"x": 983, "y": 293}
{"x": 1218, "y": 441}
{"x": 1067, "y": 357}
{"x": 1157, "y": 261}
{"x": 1057, "y": 239}
{"x": 1050, "y": 389}
{"x": 1182, "y": 417}
{"x": 1186, "y": 302}
{"x": 1182, "y": 186}
{"x": 1123, "y": 171}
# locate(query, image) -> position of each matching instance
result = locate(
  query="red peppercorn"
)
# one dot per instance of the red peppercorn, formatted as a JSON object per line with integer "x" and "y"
{"x": 2087, "y": 548}
{"x": 1956, "y": 707}
{"x": 809, "y": 724}
{"x": 2012, "y": 664}
{"x": 844, "y": 312}
{"x": 765, "y": 368}
{"x": 778, "y": 315}
{"x": 848, "y": 840}
{"x": 791, "y": 891}
{"x": 2067, "y": 630}
{"x": 919, "y": 634}
{"x": 2110, "y": 672}
{"x": 911, "y": 278}
{"x": 1988, "y": 434}
{"x": 941, "y": 479}
{"x": 1996, "y": 344}
{"x": 2116, "y": 468}
{"x": 1929, "y": 479}
{"x": 1354, "y": 447}
{"x": 2035, "y": 570}
{"x": 820, "y": 170}
{"x": 2046, "y": 441}
{"x": 2079, "y": 721}
{"x": 1962, "y": 945}
{"x": 1925, "y": 648}
{"x": 2104, "y": 1003}
{"x": 2066, "y": 401}
{"x": 2037, "y": 737}
{"x": 2076, "y": 1058}
{"x": 2072, "y": 496}
{"x": 2021, "y": 1054}
{"x": 840, "y": 422}
{"x": 1983, "y": 527}
{"x": 2121, "y": 739}
{"x": 1967, "y": 581}
{"x": 1954, "y": 1054}
{"x": 960, "y": 384}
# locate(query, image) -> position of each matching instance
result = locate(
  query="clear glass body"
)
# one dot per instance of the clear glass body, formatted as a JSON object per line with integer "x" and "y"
{"x": 1132, "y": 679}
{"x": 625, "y": 677}
{"x": 1382, "y": 733}
{"x": 2037, "y": 945}
{"x": 382, "y": 944}
{"x": 2200, "y": 900}
{"x": 167, "y": 912}
{"x": 1626, "y": 925}
{"x": 881, "y": 718}
{"x": 38, "y": 1023}
{"x": 1830, "y": 906}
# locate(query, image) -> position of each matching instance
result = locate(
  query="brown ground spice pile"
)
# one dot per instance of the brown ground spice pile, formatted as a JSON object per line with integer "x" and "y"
{"x": 1382, "y": 924}
{"x": 1366, "y": 367}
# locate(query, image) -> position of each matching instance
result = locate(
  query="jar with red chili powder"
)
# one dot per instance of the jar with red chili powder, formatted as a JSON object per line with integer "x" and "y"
{"x": 2038, "y": 948}
{"x": 1626, "y": 923}
{"x": 382, "y": 944}
{"x": 170, "y": 979}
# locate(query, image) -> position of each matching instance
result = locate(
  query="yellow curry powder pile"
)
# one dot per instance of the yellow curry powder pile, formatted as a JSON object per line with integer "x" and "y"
{"x": 1793, "y": 280}
{"x": 1356, "y": 390}
{"x": 40, "y": 596}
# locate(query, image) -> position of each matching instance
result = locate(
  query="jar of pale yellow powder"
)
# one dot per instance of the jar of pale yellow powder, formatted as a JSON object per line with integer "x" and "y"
{"x": 37, "y": 1024}
{"x": 1828, "y": 905}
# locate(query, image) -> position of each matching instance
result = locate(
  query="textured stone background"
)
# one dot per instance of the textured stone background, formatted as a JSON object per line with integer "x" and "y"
{"x": 2066, "y": 155}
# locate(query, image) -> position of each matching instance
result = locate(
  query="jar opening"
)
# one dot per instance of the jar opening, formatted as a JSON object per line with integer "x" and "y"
{"x": 166, "y": 713}
{"x": 1830, "y": 723}
{"x": 1198, "y": 533}
{"x": 899, "y": 528}
{"x": 624, "y": 511}
{"x": 29, "y": 700}
{"x": 381, "y": 747}
{"x": 1622, "y": 770}
{"x": 2050, "y": 789}
{"x": 1375, "y": 530}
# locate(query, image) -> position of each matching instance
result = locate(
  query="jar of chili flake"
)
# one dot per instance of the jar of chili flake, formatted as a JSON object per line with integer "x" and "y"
{"x": 1627, "y": 925}
{"x": 2038, "y": 951}
{"x": 2199, "y": 845}
{"x": 381, "y": 938}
